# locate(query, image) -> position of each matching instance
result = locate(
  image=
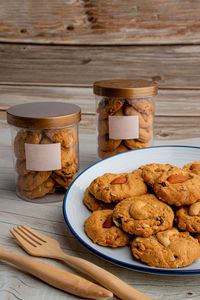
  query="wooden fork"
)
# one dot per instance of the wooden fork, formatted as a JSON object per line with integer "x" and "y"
{"x": 38, "y": 244}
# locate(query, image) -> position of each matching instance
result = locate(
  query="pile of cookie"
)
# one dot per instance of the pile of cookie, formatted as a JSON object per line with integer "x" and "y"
{"x": 155, "y": 209}
{"x": 36, "y": 184}
{"x": 143, "y": 108}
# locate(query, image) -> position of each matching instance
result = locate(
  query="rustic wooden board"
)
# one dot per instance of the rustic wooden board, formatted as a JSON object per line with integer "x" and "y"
{"x": 100, "y": 22}
{"x": 171, "y": 66}
{"x": 169, "y": 102}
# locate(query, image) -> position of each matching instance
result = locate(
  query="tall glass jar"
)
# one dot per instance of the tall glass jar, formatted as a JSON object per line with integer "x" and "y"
{"x": 125, "y": 115}
{"x": 45, "y": 147}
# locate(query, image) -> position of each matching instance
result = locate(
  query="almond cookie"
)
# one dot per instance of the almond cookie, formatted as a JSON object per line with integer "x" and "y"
{"x": 47, "y": 187}
{"x": 136, "y": 144}
{"x": 101, "y": 230}
{"x": 66, "y": 137}
{"x": 151, "y": 172}
{"x": 32, "y": 180}
{"x": 22, "y": 137}
{"x": 167, "y": 249}
{"x": 105, "y": 154}
{"x": 178, "y": 187}
{"x": 144, "y": 106}
{"x": 106, "y": 144}
{"x": 145, "y": 121}
{"x": 143, "y": 215}
{"x": 194, "y": 167}
{"x": 93, "y": 204}
{"x": 116, "y": 187}
{"x": 109, "y": 106}
{"x": 188, "y": 217}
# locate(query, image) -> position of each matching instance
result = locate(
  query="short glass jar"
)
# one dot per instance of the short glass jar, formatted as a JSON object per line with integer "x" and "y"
{"x": 45, "y": 148}
{"x": 125, "y": 115}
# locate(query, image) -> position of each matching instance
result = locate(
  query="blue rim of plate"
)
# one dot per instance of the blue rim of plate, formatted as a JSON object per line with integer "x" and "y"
{"x": 146, "y": 269}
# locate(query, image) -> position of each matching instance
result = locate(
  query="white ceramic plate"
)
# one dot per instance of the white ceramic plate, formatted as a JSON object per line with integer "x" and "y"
{"x": 75, "y": 212}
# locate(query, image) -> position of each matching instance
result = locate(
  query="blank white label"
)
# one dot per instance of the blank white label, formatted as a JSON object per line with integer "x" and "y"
{"x": 123, "y": 127}
{"x": 45, "y": 157}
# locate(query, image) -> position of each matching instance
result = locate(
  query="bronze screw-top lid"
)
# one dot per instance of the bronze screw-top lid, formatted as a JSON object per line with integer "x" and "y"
{"x": 44, "y": 115}
{"x": 128, "y": 88}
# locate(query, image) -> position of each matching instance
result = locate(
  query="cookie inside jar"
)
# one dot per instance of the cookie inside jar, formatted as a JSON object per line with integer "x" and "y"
{"x": 45, "y": 149}
{"x": 125, "y": 115}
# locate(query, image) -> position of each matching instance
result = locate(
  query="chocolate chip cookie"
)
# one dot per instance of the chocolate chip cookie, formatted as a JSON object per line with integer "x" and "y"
{"x": 101, "y": 230}
{"x": 166, "y": 249}
{"x": 116, "y": 187}
{"x": 143, "y": 215}
{"x": 178, "y": 187}
{"x": 188, "y": 217}
{"x": 93, "y": 204}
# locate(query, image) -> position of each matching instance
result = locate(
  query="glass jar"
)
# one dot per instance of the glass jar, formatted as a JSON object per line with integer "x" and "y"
{"x": 45, "y": 148}
{"x": 125, "y": 115}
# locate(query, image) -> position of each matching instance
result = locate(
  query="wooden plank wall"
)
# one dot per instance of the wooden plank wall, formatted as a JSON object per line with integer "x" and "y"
{"x": 55, "y": 50}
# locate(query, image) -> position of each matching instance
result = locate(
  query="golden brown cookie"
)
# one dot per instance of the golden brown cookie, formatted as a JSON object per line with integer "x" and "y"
{"x": 151, "y": 172}
{"x": 47, "y": 187}
{"x": 21, "y": 167}
{"x": 109, "y": 106}
{"x": 32, "y": 180}
{"x": 93, "y": 204}
{"x": 167, "y": 249}
{"x": 68, "y": 156}
{"x": 106, "y": 144}
{"x": 144, "y": 106}
{"x": 194, "y": 167}
{"x": 62, "y": 181}
{"x": 145, "y": 135}
{"x": 103, "y": 126}
{"x": 145, "y": 121}
{"x": 116, "y": 187}
{"x": 136, "y": 144}
{"x": 22, "y": 137}
{"x": 67, "y": 137}
{"x": 105, "y": 154}
{"x": 143, "y": 215}
{"x": 178, "y": 187}
{"x": 69, "y": 171}
{"x": 100, "y": 229}
{"x": 188, "y": 217}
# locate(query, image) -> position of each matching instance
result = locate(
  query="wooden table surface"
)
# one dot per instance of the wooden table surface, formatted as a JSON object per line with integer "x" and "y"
{"x": 48, "y": 218}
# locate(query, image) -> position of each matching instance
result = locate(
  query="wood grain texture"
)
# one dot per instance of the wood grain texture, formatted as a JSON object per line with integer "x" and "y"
{"x": 169, "y": 102}
{"x": 100, "y": 22}
{"x": 170, "y": 66}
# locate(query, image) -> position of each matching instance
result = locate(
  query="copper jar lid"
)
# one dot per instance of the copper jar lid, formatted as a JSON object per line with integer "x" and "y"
{"x": 44, "y": 115}
{"x": 128, "y": 88}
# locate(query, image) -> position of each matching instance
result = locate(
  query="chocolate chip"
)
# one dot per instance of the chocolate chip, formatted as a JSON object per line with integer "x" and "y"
{"x": 119, "y": 220}
{"x": 160, "y": 220}
{"x": 107, "y": 188}
{"x": 162, "y": 183}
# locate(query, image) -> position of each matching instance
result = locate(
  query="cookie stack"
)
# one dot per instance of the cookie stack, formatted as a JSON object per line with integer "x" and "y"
{"x": 36, "y": 184}
{"x": 156, "y": 209}
{"x": 143, "y": 108}
{"x": 125, "y": 115}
